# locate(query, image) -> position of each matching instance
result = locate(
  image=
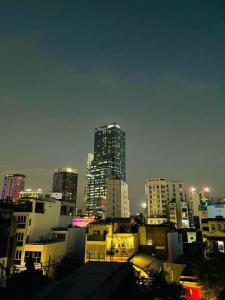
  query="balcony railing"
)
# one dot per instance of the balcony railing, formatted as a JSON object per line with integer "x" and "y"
{"x": 21, "y": 225}
{"x": 19, "y": 243}
{"x": 95, "y": 237}
{"x": 120, "y": 252}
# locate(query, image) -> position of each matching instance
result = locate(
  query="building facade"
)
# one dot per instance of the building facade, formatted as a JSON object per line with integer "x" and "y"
{"x": 161, "y": 240}
{"x": 109, "y": 160}
{"x": 65, "y": 181}
{"x": 88, "y": 175}
{"x": 117, "y": 198}
{"x": 166, "y": 202}
{"x": 7, "y": 234}
{"x": 35, "y": 219}
{"x": 213, "y": 230}
{"x": 13, "y": 184}
{"x": 116, "y": 240}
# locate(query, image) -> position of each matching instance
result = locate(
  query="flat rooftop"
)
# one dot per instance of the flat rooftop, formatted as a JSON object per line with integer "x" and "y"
{"x": 45, "y": 242}
{"x": 90, "y": 279}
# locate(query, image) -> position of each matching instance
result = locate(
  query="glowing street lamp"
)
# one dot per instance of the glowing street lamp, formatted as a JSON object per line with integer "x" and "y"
{"x": 144, "y": 205}
{"x": 207, "y": 189}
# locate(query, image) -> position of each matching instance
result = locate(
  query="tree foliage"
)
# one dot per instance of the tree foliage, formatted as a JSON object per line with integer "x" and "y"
{"x": 211, "y": 276}
{"x": 158, "y": 288}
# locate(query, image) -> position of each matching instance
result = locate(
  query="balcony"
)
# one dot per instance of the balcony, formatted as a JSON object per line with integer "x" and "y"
{"x": 120, "y": 252}
{"x": 19, "y": 243}
{"x": 21, "y": 225}
{"x": 91, "y": 237}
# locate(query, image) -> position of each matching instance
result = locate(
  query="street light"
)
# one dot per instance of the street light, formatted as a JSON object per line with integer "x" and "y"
{"x": 144, "y": 205}
{"x": 207, "y": 189}
{"x": 192, "y": 189}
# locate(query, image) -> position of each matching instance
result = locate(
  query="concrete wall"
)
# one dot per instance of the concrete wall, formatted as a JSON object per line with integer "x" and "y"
{"x": 175, "y": 245}
{"x": 50, "y": 252}
{"x": 76, "y": 242}
{"x": 117, "y": 199}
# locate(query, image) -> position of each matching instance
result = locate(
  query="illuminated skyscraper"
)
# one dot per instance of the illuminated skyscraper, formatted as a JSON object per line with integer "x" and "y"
{"x": 65, "y": 182}
{"x": 88, "y": 174}
{"x": 109, "y": 159}
{"x": 13, "y": 184}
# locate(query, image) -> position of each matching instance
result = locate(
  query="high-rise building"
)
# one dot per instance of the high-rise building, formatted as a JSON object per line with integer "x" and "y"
{"x": 88, "y": 174}
{"x": 166, "y": 201}
{"x": 193, "y": 197}
{"x": 196, "y": 200}
{"x": 117, "y": 204}
{"x": 13, "y": 184}
{"x": 65, "y": 181}
{"x": 109, "y": 160}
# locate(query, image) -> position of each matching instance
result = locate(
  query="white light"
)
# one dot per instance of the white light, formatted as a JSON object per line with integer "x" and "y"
{"x": 144, "y": 205}
{"x": 28, "y": 190}
{"x": 206, "y": 189}
{"x": 193, "y": 189}
{"x": 110, "y": 126}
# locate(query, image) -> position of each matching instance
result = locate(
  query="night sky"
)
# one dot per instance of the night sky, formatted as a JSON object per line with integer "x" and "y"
{"x": 156, "y": 67}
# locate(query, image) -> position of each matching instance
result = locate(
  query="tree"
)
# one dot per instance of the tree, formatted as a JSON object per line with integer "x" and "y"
{"x": 25, "y": 284}
{"x": 211, "y": 276}
{"x": 158, "y": 288}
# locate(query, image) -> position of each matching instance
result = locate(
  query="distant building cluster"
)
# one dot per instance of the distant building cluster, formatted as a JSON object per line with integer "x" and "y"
{"x": 46, "y": 227}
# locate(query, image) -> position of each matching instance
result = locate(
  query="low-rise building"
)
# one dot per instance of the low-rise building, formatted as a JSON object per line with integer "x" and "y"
{"x": 189, "y": 235}
{"x": 7, "y": 240}
{"x": 111, "y": 240}
{"x": 213, "y": 230}
{"x": 44, "y": 254}
{"x": 35, "y": 218}
{"x": 161, "y": 240}
{"x": 75, "y": 240}
{"x": 7, "y": 234}
{"x": 95, "y": 280}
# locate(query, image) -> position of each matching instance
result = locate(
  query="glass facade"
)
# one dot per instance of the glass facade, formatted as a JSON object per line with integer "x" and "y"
{"x": 109, "y": 159}
{"x": 65, "y": 182}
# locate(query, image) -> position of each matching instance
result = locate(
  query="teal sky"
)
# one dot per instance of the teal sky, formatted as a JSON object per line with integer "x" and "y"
{"x": 156, "y": 67}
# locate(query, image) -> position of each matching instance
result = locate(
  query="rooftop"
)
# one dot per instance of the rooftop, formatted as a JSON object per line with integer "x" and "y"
{"x": 109, "y": 221}
{"x": 45, "y": 242}
{"x": 107, "y": 126}
{"x": 90, "y": 281}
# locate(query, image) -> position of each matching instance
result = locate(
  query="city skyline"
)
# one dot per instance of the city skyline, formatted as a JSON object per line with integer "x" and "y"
{"x": 156, "y": 68}
{"x": 136, "y": 206}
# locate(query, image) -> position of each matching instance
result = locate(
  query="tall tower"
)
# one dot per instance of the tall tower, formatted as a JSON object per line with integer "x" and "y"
{"x": 13, "y": 184}
{"x": 65, "y": 182}
{"x": 109, "y": 160}
{"x": 88, "y": 174}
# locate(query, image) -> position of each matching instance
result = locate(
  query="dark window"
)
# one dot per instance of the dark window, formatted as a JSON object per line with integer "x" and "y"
{"x": 39, "y": 208}
{"x": 205, "y": 228}
{"x": 35, "y": 255}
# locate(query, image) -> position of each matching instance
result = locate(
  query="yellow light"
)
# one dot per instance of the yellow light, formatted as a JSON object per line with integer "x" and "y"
{"x": 193, "y": 189}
